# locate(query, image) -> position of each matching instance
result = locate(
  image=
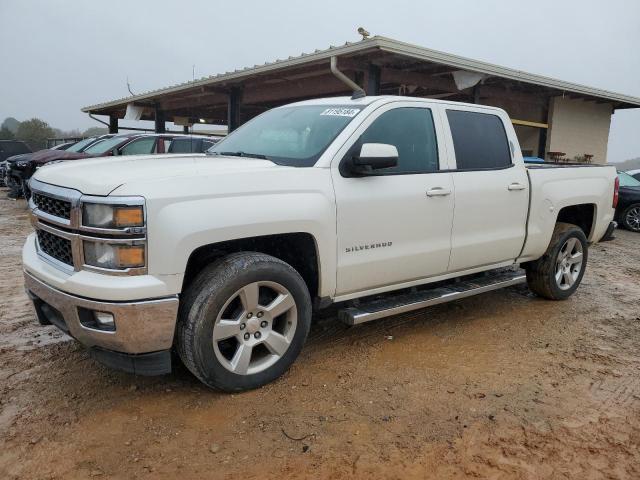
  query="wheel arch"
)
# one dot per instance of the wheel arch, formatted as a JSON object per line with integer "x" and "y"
{"x": 298, "y": 249}
{"x": 583, "y": 215}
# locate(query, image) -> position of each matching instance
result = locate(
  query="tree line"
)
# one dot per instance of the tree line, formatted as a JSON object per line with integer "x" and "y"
{"x": 35, "y": 132}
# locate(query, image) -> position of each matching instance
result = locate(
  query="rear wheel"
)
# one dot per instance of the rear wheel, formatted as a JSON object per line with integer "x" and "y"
{"x": 558, "y": 273}
{"x": 243, "y": 321}
{"x": 631, "y": 218}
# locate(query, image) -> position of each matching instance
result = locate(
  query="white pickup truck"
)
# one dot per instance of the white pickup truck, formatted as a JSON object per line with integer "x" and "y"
{"x": 365, "y": 203}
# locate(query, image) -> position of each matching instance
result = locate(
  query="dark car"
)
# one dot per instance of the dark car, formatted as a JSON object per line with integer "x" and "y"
{"x": 628, "y": 209}
{"x": 9, "y": 148}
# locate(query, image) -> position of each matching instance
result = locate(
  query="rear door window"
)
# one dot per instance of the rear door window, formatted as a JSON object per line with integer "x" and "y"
{"x": 479, "y": 140}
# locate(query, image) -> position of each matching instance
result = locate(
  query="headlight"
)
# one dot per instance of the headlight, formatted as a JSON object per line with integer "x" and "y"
{"x": 99, "y": 215}
{"x": 113, "y": 256}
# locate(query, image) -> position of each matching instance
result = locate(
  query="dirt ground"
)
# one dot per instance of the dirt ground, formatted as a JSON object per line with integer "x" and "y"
{"x": 503, "y": 385}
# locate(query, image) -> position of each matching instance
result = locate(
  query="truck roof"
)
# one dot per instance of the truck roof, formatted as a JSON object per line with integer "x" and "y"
{"x": 368, "y": 100}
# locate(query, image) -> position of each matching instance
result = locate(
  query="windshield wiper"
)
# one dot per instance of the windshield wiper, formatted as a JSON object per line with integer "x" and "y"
{"x": 243, "y": 154}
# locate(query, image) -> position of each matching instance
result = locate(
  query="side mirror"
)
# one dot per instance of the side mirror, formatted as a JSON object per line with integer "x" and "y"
{"x": 374, "y": 156}
{"x": 115, "y": 152}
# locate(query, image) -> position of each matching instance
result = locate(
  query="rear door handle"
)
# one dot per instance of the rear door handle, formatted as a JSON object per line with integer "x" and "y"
{"x": 438, "y": 192}
{"x": 516, "y": 186}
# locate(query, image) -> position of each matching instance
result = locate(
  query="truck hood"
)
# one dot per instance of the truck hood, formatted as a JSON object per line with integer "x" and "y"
{"x": 101, "y": 176}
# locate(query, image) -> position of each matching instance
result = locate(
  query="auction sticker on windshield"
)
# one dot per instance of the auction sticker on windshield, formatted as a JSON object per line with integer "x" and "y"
{"x": 341, "y": 112}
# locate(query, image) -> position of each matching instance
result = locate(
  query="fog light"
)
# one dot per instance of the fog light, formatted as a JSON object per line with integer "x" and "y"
{"x": 95, "y": 320}
{"x": 104, "y": 319}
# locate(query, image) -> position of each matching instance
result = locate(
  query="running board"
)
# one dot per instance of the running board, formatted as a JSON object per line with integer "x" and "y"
{"x": 406, "y": 302}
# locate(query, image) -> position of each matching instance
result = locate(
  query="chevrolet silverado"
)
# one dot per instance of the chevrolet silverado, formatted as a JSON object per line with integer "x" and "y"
{"x": 380, "y": 205}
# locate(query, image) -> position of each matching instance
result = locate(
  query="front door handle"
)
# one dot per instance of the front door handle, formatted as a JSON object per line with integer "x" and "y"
{"x": 438, "y": 192}
{"x": 516, "y": 186}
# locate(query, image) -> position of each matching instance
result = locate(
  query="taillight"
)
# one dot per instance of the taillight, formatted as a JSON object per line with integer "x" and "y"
{"x": 616, "y": 195}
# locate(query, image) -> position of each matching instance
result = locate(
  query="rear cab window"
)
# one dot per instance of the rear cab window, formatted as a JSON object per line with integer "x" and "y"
{"x": 479, "y": 139}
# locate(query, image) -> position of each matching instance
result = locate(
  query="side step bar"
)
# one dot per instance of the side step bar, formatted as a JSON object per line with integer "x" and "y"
{"x": 406, "y": 302}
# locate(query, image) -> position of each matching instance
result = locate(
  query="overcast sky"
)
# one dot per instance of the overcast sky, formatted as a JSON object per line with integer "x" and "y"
{"x": 57, "y": 56}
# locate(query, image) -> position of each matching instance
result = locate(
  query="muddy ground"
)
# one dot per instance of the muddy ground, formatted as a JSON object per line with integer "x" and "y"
{"x": 503, "y": 385}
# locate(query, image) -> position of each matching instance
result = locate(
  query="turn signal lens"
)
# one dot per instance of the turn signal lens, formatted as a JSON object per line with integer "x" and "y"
{"x": 129, "y": 257}
{"x": 128, "y": 217}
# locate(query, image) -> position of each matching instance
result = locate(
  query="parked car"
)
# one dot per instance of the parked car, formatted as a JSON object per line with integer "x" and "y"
{"x": 634, "y": 173}
{"x": 19, "y": 168}
{"x": 9, "y": 148}
{"x": 628, "y": 209}
{"x": 321, "y": 202}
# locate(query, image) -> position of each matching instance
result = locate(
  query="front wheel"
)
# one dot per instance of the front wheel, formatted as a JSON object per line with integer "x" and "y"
{"x": 243, "y": 321}
{"x": 558, "y": 273}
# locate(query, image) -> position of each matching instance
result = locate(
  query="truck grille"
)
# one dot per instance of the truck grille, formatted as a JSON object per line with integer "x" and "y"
{"x": 52, "y": 206}
{"x": 56, "y": 247}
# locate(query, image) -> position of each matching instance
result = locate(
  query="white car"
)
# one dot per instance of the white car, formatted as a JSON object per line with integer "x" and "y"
{"x": 634, "y": 173}
{"x": 361, "y": 202}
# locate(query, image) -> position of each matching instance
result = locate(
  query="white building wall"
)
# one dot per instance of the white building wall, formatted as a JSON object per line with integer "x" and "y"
{"x": 578, "y": 127}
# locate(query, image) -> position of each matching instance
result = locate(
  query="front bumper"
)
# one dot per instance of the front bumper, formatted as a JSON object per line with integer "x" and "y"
{"x": 140, "y": 326}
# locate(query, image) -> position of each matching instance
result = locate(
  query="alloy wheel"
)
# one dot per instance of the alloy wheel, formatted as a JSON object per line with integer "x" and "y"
{"x": 633, "y": 218}
{"x": 569, "y": 263}
{"x": 255, "y": 327}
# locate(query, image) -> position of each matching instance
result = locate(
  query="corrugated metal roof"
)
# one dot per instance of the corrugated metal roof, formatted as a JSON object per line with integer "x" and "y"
{"x": 386, "y": 45}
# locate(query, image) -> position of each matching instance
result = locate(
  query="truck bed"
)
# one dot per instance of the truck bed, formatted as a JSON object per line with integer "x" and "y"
{"x": 556, "y": 186}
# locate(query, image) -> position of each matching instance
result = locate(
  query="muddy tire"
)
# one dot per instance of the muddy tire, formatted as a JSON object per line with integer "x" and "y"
{"x": 558, "y": 273}
{"x": 631, "y": 218}
{"x": 243, "y": 321}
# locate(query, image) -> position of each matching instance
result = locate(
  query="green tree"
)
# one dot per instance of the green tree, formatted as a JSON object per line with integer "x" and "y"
{"x": 6, "y": 134}
{"x": 11, "y": 124}
{"x": 95, "y": 131}
{"x": 35, "y": 133}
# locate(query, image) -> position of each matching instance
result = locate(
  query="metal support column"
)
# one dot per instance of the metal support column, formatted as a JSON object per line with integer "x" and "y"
{"x": 233, "y": 109}
{"x": 113, "y": 124}
{"x": 476, "y": 94}
{"x": 159, "y": 120}
{"x": 373, "y": 80}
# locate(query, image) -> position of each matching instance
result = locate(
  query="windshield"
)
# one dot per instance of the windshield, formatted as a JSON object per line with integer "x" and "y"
{"x": 105, "y": 145}
{"x": 77, "y": 147}
{"x": 627, "y": 180}
{"x": 294, "y": 136}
